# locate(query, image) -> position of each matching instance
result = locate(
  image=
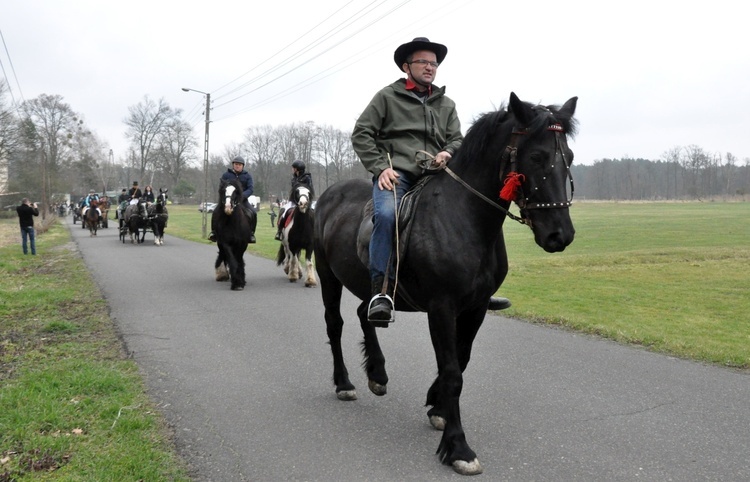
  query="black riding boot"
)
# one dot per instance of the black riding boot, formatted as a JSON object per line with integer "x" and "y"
{"x": 279, "y": 232}
{"x": 252, "y": 220}
{"x": 498, "y": 303}
{"x": 380, "y": 310}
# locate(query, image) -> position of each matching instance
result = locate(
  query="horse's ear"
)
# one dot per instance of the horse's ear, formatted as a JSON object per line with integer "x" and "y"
{"x": 569, "y": 108}
{"x": 565, "y": 114}
{"x": 520, "y": 110}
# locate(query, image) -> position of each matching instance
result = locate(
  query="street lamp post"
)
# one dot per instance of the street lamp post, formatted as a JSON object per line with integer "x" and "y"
{"x": 205, "y": 159}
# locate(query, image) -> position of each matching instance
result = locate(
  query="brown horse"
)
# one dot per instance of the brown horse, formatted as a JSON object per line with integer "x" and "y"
{"x": 92, "y": 218}
{"x": 104, "y": 208}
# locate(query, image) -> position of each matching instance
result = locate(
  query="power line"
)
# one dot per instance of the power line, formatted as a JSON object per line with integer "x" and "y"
{"x": 367, "y": 9}
{"x": 343, "y": 64}
{"x": 10, "y": 61}
{"x": 281, "y": 50}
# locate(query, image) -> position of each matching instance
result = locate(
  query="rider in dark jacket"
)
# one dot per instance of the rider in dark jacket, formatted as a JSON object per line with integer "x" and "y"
{"x": 299, "y": 178}
{"x": 237, "y": 171}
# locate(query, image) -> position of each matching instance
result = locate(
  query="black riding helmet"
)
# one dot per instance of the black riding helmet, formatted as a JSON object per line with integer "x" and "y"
{"x": 238, "y": 159}
{"x": 299, "y": 165}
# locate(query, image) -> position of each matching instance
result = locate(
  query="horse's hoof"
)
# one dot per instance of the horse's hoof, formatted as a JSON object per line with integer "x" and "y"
{"x": 468, "y": 468}
{"x": 238, "y": 288}
{"x": 377, "y": 388}
{"x": 437, "y": 422}
{"x": 347, "y": 395}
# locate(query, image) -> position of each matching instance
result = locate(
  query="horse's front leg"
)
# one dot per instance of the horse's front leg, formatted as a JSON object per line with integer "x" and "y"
{"x": 446, "y": 391}
{"x": 220, "y": 266}
{"x": 310, "y": 280}
{"x": 291, "y": 266}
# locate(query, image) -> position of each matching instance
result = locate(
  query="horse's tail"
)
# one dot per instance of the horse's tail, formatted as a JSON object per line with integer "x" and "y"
{"x": 281, "y": 256}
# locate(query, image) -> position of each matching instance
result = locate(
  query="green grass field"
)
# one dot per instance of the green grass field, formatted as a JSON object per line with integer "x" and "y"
{"x": 670, "y": 276}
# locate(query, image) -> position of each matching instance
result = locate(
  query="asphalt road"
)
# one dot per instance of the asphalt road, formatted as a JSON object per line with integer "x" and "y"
{"x": 244, "y": 379}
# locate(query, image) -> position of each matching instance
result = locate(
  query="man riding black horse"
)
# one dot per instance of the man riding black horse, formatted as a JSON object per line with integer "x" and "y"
{"x": 237, "y": 171}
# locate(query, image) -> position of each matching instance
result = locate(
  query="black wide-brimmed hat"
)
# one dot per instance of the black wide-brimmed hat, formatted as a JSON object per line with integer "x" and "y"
{"x": 419, "y": 43}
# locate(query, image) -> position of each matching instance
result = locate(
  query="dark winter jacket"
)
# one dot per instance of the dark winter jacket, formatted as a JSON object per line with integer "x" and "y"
{"x": 25, "y": 215}
{"x": 246, "y": 181}
{"x": 304, "y": 179}
{"x": 398, "y": 123}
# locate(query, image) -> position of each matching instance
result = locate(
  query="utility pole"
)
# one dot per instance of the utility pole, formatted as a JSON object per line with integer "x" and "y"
{"x": 205, "y": 168}
{"x": 205, "y": 159}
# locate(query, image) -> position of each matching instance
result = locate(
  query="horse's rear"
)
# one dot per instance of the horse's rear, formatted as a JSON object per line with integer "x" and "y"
{"x": 338, "y": 214}
{"x": 340, "y": 210}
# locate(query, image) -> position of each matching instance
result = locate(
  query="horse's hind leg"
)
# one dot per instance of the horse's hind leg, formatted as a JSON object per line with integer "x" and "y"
{"x": 374, "y": 363}
{"x": 331, "y": 290}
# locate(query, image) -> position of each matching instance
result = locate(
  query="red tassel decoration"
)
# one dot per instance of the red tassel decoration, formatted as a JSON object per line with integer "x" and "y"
{"x": 510, "y": 186}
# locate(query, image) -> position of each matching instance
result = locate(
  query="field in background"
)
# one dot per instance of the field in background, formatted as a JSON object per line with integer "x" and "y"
{"x": 671, "y": 276}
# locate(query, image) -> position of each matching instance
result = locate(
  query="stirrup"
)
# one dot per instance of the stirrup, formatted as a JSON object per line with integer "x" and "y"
{"x": 381, "y": 322}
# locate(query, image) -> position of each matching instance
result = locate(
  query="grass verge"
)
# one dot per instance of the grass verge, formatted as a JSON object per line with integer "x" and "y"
{"x": 72, "y": 405}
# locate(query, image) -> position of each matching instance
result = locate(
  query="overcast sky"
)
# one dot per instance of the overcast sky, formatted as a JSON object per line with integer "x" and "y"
{"x": 649, "y": 75}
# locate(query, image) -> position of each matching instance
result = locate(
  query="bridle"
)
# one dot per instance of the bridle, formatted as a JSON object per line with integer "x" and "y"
{"x": 302, "y": 193}
{"x": 229, "y": 191}
{"x": 510, "y": 154}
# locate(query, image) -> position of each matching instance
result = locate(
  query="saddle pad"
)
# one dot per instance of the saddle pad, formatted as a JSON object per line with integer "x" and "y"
{"x": 406, "y": 211}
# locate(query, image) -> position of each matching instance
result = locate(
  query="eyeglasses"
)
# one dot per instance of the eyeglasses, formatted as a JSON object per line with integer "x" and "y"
{"x": 424, "y": 63}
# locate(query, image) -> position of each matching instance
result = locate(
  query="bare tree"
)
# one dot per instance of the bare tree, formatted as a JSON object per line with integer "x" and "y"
{"x": 262, "y": 147}
{"x": 334, "y": 153}
{"x": 176, "y": 147}
{"x": 145, "y": 122}
{"x": 51, "y": 127}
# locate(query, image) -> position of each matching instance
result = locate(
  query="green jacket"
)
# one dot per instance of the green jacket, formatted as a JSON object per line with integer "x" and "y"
{"x": 397, "y": 122}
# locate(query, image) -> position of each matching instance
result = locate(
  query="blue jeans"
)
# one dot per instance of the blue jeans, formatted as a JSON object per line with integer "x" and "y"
{"x": 384, "y": 226}
{"x": 28, "y": 231}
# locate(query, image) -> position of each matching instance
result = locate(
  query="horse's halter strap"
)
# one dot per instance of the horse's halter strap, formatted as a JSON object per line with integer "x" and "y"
{"x": 511, "y": 153}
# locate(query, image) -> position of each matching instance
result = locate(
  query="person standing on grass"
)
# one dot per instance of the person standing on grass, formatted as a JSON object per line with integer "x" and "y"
{"x": 26, "y": 212}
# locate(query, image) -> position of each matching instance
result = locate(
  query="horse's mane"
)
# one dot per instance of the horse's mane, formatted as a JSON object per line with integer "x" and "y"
{"x": 490, "y": 125}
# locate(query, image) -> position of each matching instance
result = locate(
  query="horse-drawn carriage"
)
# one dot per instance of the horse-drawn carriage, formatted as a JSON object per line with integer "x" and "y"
{"x": 138, "y": 218}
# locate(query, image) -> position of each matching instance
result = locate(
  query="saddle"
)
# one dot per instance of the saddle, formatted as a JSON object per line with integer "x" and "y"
{"x": 406, "y": 211}
{"x": 289, "y": 214}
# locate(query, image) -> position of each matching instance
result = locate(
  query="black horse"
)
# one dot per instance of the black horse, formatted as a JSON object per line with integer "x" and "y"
{"x": 158, "y": 216}
{"x": 453, "y": 258}
{"x": 136, "y": 222}
{"x": 298, "y": 235}
{"x": 232, "y": 229}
